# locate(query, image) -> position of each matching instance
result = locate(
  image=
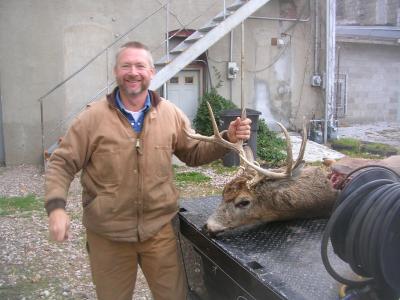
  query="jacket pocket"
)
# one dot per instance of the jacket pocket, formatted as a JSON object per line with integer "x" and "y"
{"x": 105, "y": 166}
{"x": 162, "y": 161}
{"x": 100, "y": 209}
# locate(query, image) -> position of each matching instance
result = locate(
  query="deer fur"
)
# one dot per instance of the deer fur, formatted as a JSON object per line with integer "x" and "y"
{"x": 307, "y": 195}
{"x": 265, "y": 195}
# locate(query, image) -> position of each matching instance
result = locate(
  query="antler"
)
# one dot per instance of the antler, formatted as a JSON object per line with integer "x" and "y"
{"x": 248, "y": 162}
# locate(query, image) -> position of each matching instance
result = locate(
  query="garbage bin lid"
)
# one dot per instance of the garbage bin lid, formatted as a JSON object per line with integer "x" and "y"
{"x": 237, "y": 112}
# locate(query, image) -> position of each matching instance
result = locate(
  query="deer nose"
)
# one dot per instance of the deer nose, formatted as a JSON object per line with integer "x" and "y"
{"x": 205, "y": 230}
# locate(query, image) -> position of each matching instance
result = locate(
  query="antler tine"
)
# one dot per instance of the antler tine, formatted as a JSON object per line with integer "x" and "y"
{"x": 302, "y": 148}
{"x": 214, "y": 123}
{"x": 217, "y": 137}
{"x": 289, "y": 157}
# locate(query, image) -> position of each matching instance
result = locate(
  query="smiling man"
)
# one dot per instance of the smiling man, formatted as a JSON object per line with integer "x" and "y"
{"x": 123, "y": 144}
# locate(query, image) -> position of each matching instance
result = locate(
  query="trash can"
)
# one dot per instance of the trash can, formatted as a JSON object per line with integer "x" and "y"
{"x": 232, "y": 159}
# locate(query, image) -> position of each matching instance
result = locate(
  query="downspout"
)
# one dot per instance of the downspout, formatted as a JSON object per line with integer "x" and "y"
{"x": 330, "y": 68}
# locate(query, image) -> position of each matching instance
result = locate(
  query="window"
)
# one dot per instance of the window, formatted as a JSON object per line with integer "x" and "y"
{"x": 189, "y": 80}
{"x": 174, "y": 80}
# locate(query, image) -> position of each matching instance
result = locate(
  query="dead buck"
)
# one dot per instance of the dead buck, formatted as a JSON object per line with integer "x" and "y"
{"x": 263, "y": 195}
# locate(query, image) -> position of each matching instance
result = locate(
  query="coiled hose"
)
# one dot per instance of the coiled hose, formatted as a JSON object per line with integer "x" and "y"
{"x": 364, "y": 229}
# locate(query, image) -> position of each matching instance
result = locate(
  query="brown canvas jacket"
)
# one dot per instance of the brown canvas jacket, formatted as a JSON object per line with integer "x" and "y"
{"x": 127, "y": 179}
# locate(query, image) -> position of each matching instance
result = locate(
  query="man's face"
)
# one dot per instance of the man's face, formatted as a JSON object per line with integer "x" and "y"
{"x": 133, "y": 71}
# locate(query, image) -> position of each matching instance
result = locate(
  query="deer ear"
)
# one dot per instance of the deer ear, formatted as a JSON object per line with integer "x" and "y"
{"x": 233, "y": 188}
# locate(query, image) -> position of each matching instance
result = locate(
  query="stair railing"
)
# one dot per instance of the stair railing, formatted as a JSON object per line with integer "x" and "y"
{"x": 106, "y": 52}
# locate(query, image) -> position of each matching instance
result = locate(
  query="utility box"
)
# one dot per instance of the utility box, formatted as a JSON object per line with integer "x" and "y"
{"x": 232, "y": 159}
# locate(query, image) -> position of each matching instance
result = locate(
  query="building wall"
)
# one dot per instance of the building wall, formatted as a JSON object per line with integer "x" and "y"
{"x": 368, "y": 12}
{"x": 373, "y": 87}
{"x": 44, "y": 42}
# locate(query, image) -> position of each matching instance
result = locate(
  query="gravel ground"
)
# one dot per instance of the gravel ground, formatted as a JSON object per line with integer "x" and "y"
{"x": 381, "y": 132}
{"x": 32, "y": 266}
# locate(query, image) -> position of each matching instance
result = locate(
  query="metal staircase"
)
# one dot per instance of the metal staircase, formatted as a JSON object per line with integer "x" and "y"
{"x": 202, "y": 39}
{"x": 178, "y": 57}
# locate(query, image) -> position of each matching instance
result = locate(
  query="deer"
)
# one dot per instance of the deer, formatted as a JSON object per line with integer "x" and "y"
{"x": 296, "y": 191}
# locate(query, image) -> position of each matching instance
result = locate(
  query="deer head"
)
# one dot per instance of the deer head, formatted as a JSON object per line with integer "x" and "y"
{"x": 263, "y": 195}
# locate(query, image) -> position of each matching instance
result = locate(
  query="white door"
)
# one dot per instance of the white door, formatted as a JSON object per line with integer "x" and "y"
{"x": 184, "y": 91}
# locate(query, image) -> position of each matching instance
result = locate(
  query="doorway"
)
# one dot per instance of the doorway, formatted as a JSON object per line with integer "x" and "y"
{"x": 184, "y": 90}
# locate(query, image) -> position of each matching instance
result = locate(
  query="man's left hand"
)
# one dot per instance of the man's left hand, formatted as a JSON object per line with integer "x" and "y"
{"x": 239, "y": 130}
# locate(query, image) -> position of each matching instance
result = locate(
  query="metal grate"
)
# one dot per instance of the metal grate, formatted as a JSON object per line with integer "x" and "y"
{"x": 282, "y": 257}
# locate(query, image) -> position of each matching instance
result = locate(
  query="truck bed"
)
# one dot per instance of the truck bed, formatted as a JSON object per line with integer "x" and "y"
{"x": 279, "y": 260}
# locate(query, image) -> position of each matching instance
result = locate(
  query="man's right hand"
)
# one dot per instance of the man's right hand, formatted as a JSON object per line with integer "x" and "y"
{"x": 59, "y": 224}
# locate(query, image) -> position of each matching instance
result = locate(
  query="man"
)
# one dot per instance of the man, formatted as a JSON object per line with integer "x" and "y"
{"x": 123, "y": 144}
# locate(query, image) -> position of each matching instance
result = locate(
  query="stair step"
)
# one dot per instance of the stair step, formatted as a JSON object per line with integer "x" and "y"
{"x": 201, "y": 40}
{"x": 180, "y": 48}
{"x": 221, "y": 16}
{"x": 165, "y": 60}
{"x": 208, "y": 27}
{"x": 236, "y": 6}
{"x": 194, "y": 37}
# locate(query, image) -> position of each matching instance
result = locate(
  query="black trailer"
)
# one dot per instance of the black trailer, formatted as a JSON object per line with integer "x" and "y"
{"x": 279, "y": 260}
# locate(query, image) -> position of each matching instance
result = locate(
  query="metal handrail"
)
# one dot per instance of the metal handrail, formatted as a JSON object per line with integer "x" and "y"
{"x": 40, "y": 99}
{"x": 106, "y": 51}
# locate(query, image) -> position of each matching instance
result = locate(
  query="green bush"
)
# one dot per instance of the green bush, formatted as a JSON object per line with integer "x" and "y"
{"x": 202, "y": 122}
{"x": 270, "y": 147}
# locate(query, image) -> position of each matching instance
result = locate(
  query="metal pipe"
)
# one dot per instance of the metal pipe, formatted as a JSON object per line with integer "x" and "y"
{"x": 316, "y": 36}
{"x": 107, "y": 75}
{"x": 165, "y": 85}
{"x": 166, "y": 31}
{"x": 279, "y": 19}
{"x": 231, "y": 59}
{"x": 42, "y": 131}
{"x": 330, "y": 65}
{"x": 224, "y": 9}
{"x": 242, "y": 100}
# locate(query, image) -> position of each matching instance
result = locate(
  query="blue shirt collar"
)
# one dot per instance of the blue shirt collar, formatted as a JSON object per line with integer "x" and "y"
{"x": 146, "y": 107}
{"x": 137, "y": 125}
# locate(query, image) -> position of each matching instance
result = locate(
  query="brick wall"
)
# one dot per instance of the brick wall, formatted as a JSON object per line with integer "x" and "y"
{"x": 373, "y": 86}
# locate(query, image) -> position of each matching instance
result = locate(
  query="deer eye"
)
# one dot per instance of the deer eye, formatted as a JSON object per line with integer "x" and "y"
{"x": 242, "y": 204}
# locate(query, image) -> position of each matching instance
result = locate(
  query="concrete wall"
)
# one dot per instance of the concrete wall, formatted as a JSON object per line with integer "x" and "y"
{"x": 368, "y": 12}
{"x": 373, "y": 82}
{"x": 373, "y": 89}
{"x": 42, "y": 42}
{"x": 277, "y": 78}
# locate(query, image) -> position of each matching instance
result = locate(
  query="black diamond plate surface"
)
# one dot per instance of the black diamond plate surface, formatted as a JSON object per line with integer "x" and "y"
{"x": 284, "y": 256}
